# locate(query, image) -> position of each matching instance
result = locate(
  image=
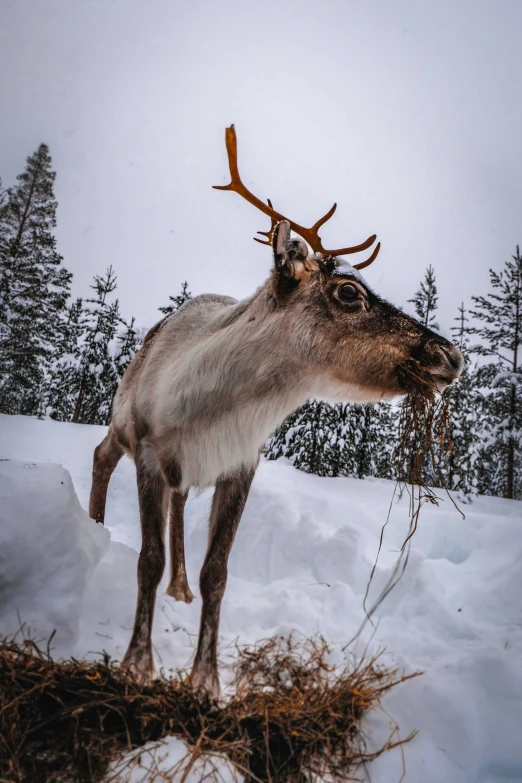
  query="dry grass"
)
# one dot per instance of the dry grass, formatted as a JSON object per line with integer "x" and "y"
{"x": 292, "y": 718}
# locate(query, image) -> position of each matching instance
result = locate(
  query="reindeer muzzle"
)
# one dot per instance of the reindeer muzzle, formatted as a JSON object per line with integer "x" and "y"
{"x": 444, "y": 362}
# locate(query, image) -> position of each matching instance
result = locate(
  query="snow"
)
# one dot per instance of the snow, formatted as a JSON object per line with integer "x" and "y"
{"x": 301, "y": 562}
{"x": 345, "y": 268}
{"x": 48, "y": 551}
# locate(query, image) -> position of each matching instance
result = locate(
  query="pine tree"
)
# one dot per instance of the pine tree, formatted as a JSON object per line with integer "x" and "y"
{"x": 305, "y": 438}
{"x": 426, "y": 300}
{"x": 366, "y": 438}
{"x": 386, "y": 436}
{"x": 340, "y": 440}
{"x": 97, "y": 374}
{"x": 34, "y": 287}
{"x": 459, "y": 453}
{"x": 4, "y": 246}
{"x": 278, "y": 444}
{"x": 500, "y": 316}
{"x": 127, "y": 346}
{"x": 352, "y": 437}
{"x": 177, "y": 301}
{"x": 66, "y": 370}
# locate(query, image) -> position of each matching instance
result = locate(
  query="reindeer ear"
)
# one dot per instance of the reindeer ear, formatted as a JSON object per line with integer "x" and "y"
{"x": 289, "y": 256}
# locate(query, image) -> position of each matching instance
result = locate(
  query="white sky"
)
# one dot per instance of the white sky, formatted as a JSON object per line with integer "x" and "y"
{"x": 408, "y": 113}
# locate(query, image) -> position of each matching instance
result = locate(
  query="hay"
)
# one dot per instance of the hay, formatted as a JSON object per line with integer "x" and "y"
{"x": 424, "y": 434}
{"x": 292, "y": 718}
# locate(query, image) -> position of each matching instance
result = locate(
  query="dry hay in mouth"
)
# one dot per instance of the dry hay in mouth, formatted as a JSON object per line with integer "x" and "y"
{"x": 291, "y": 718}
{"x": 423, "y": 427}
{"x": 424, "y": 435}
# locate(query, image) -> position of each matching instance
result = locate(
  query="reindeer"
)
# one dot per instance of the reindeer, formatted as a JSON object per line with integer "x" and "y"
{"x": 215, "y": 378}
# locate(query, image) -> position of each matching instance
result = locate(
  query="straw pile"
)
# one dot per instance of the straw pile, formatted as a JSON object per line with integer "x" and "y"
{"x": 292, "y": 718}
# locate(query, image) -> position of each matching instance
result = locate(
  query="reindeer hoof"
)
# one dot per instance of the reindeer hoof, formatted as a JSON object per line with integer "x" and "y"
{"x": 205, "y": 682}
{"x": 180, "y": 591}
{"x": 140, "y": 668}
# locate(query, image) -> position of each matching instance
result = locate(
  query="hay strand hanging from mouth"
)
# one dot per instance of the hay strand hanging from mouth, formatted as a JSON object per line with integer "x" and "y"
{"x": 424, "y": 435}
{"x": 423, "y": 426}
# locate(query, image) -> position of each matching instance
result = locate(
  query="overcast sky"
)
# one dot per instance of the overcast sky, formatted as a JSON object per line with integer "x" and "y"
{"x": 408, "y": 113}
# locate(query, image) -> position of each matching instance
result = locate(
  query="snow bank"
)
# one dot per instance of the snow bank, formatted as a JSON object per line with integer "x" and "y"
{"x": 301, "y": 562}
{"x": 48, "y": 551}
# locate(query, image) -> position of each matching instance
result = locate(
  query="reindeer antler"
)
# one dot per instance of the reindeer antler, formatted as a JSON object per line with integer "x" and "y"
{"x": 268, "y": 234}
{"x": 310, "y": 235}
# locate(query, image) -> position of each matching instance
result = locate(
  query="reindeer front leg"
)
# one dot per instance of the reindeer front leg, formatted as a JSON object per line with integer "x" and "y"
{"x": 227, "y": 507}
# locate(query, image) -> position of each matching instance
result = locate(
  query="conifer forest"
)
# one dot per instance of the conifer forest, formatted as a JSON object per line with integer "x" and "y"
{"x": 63, "y": 358}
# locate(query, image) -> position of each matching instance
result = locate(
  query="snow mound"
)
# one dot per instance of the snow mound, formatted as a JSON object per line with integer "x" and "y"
{"x": 300, "y": 563}
{"x": 49, "y": 549}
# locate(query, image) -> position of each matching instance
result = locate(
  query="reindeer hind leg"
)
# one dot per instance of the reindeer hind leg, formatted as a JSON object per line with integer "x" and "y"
{"x": 106, "y": 457}
{"x": 178, "y": 585}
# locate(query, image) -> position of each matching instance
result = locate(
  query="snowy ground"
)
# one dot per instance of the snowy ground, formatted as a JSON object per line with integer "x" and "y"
{"x": 300, "y": 562}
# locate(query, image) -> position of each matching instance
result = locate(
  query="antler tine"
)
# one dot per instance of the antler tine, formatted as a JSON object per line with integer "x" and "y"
{"x": 323, "y": 220}
{"x": 268, "y": 234}
{"x": 370, "y": 260}
{"x": 310, "y": 235}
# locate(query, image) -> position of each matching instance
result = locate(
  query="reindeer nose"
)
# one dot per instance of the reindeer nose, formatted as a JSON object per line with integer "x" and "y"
{"x": 446, "y": 360}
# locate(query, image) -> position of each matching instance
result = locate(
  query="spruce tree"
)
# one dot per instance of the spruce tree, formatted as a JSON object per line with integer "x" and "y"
{"x": 426, "y": 300}
{"x": 126, "y": 347}
{"x": 97, "y": 374}
{"x": 311, "y": 444}
{"x": 34, "y": 287}
{"x": 177, "y": 301}
{"x": 4, "y": 245}
{"x": 278, "y": 443}
{"x": 352, "y": 438}
{"x": 386, "y": 435}
{"x": 340, "y": 440}
{"x": 366, "y": 439}
{"x": 306, "y": 438}
{"x": 499, "y": 314}
{"x": 460, "y": 450}
{"x": 66, "y": 370}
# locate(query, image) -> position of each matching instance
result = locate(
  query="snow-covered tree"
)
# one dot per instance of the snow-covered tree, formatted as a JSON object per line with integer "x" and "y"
{"x": 386, "y": 434}
{"x": 127, "y": 345}
{"x": 97, "y": 373}
{"x": 426, "y": 300}
{"x": 65, "y": 373}
{"x": 306, "y": 439}
{"x": 89, "y": 369}
{"x": 34, "y": 286}
{"x": 500, "y": 326}
{"x": 460, "y": 448}
{"x": 365, "y": 439}
{"x": 354, "y": 440}
{"x": 339, "y": 440}
{"x": 177, "y": 301}
{"x": 4, "y": 249}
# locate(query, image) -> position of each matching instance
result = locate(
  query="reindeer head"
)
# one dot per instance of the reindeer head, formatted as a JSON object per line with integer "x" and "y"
{"x": 360, "y": 347}
{"x": 364, "y": 348}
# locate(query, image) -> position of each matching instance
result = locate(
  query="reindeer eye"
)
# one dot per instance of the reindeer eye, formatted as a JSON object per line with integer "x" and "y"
{"x": 347, "y": 293}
